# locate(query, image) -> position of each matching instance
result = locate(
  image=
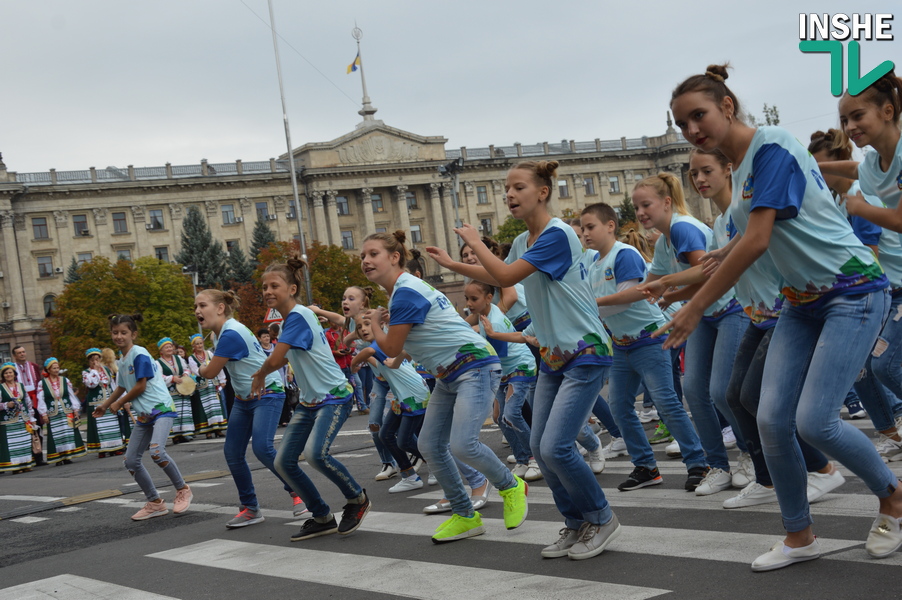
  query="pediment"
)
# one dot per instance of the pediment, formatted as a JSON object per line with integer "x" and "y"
{"x": 374, "y": 145}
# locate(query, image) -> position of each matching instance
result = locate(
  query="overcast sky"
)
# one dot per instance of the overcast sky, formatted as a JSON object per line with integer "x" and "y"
{"x": 107, "y": 82}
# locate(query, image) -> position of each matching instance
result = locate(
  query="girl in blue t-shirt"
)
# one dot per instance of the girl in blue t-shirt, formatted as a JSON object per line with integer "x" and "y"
{"x": 253, "y": 417}
{"x": 836, "y": 301}
{"x": 575, "y": 350}
{"x": 139, "y": 381}
{"x": 325, "y": 403}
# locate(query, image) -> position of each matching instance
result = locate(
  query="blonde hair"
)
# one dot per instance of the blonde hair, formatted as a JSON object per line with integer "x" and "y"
{"x": 292, "y": 271}
{"x": 108, "y": 358}
{"x": 393, "y": 242}
{"x": 664, "y": 185}
{"x": 227, "y": 299}
{"x": 640, "y": 243}
{"x": 834, "y": 141}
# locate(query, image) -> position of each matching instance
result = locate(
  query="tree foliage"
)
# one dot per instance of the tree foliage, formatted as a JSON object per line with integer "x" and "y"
{"x": 72, "y": 272}
{"x": 240, "y": 269}
{"x": 770, "y": 116}
{"x": 156, "y": 289}
{"x": 262, "y": 237}
{"x": 201, "y": 252}
{"x": 627, "y": 211}
{"x": 510, "y": 229}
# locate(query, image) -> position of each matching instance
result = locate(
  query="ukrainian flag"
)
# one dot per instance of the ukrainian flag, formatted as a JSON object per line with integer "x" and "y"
{"x": 354, "y": 65}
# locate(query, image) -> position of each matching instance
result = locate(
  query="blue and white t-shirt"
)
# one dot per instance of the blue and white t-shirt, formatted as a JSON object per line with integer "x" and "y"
{"x": 812, "y": 243}
{"x": 889, "y": 249}
{"x": 155, "y": 401}
{"x": 688, "y": 234}
{"x": 439, "y": 338}
{"x": 517, "y": 362}
{"x": 875, "y": 182}
{"x": 561, "y": 302}
{"x": 246, "y": 356}
{"x": 631, "y": 328}
{"x": 518, "y": 314}
{"x": 409, "y": 390}
{"x": 760, "y": 288}
{"x": 318, "y": 376}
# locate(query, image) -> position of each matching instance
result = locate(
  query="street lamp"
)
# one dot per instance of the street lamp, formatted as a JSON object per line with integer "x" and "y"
{"x": 452, "y": 170}
{"x": 192, "y": 271}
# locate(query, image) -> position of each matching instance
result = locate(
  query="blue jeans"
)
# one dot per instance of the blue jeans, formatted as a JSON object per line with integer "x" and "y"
{"x": 511, "y": 421}
{"x": 561, "y": 407}
{"x": 365, "y": 375}
{"x": 311, "y": 432}
{"x": 652, "y": 365}
{"x": 377, "y": 417}
{"x": 710, "y": 352}
{"x": 399, "y": 434}
{"x": 355, "y": 385}
{"x": 882, "y": 373}
{"x": 256, "y": 418}
{"x": 647, "y": 400}
{"x": 152, "y": 436}
{"x": 602, "y": 412}
{"x": 455, "y": 414}
{"x": 815, "y": 355}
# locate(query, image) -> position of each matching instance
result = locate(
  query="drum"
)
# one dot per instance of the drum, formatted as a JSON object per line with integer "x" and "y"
{"x": 186, "y": 386}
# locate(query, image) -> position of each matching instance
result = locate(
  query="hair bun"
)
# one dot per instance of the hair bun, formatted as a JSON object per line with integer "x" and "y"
{"x": 138, "y": 318}
{"x": 295, "y": 263}
{"x": 400, "y": 235}
{"x": 547, "y": 168}
{"x": 718, "y": 72}
{"x": 414, "y": 254}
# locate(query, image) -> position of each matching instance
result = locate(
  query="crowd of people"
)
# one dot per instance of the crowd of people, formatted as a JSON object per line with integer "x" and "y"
{"x": 761, "y": 323}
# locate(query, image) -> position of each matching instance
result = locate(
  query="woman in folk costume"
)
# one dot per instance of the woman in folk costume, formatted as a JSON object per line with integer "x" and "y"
{"x": 208, "y": 416}
{"x": 59, "y": 406}
{"x": 174, "y": 370}
{"x": 16, "y": 423}
{"x": 104, "y": 434}
{"x": 124, "y": 414}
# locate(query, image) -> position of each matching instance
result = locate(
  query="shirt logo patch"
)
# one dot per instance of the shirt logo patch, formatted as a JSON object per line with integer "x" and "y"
{"x": 608, "y": 274}
{"x": 748, "y": 187}
{"x": 899, "y": 180}
{"x": 131, "y": 369}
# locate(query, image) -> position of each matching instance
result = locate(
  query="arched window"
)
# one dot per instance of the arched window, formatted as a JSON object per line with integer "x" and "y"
{"x": 49, "y": 305}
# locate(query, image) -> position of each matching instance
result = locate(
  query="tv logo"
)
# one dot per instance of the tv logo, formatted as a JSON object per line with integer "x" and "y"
{"x": 833, "y": 31}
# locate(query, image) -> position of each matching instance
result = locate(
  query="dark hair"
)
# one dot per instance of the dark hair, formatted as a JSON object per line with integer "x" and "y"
{"x": 17, "y": 347}
{"x": 414, "y": 265}
{"x": 485, "y": 287}
{"x": 603, "y": 212}
{"x": 544, "y": 172}
{"x": 886, "y": 90}
{"x": 291, "y": 271}
{"x": 719, "y": 156}
{"x": 274, "y": 329}
{"x": 393, "y": 242}
{"x": 263, "y": 331}
{"x": 130, "y": 321}
{"x": 504, "y": 251}
{"x": 573, "y": 221}
{"x": 228, "y": 299}
{"x": 834, "y": 141}
{"x": 712, "y": 84}
{"x": 367, "y": 292}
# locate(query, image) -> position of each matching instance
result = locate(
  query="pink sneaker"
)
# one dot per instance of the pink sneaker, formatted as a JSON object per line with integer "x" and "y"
{"x": 299, "y": 507}
{"x": 183, "y": 499}
{"x": 151, "y": 510}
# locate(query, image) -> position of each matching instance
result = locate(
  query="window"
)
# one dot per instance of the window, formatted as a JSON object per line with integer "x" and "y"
{"x": 80, "y": 223}
{"x": 412, "y": 201}
{"x": 347, "y": 240}
{"x": 563, "y": 189}
{"x": 482, "y": 196}
{"x": 83, "y": 257}
{"x": 228, "y": 214}
{"x": 485, "y": 225}
{"x": 231, "y": 245}
{"x": 377, "y": 203}
{"x": 292, "y": 210}
{"x": 615, "y": 184}
{"x": 124, "y": 254}
{"x": 589, "y": 184}
{"x": 341, "y": 205}
{"x": 120, "y": 225}
{"x": 380, "y": 230}
{"x": 39, "y": 225}
{"x": 156, "y": 220}
{"x": 262, "y": 210}
{"x": 638, "y": 176}
{"x": 5, "y": 353}
{"x": 45, "y": 266}
{"x": 416, "y": 236}
{"x": 49, "y": 305}
{"x": 162, "y": 253}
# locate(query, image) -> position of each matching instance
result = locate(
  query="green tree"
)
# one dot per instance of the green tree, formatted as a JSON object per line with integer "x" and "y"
{"x": 510, "y": 229}
{"x": 201, "y": 252}
{"x": 770, "y": 116}
{"x": 627, "y": 210}
{"x": 262, "y": 237}
{"x": 240, "y": 270}
{"x": 72, "y": 272}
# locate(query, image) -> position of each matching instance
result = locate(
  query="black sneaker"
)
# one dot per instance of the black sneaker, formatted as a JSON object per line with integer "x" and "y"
{"x": 640, "y": 478}
{"x": 312, "y": 529}
{"x": 352, "y": 515}
{"x": 696, "y": 475}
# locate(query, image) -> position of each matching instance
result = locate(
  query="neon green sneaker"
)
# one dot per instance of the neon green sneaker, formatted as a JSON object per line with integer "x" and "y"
{"x": 662, "y": 435}
{"x": 458, "y": 528}
{"x": 515, "y": 505}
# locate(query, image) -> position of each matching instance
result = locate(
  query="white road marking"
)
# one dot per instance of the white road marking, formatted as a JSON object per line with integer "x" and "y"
{"x": 72, "y": 587}
{"x": 32, "y": 498}
{"x": 29, "y": 520}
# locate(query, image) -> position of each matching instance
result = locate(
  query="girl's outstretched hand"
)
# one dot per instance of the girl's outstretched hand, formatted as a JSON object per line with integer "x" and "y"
{"x": 468, "y": 234}
{"x": 681, "y": 327}
{"x": 439, "y": 255}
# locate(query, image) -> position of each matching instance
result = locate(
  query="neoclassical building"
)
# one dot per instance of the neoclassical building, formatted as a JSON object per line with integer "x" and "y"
{"x": 375, "y": 178}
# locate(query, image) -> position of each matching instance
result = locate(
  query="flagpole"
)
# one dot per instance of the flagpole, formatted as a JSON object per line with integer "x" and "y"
{"x": 368, "y": 109}
{"x": 294, "y": 179}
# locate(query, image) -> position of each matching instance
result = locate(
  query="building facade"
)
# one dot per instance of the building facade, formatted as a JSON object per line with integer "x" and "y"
{"x": 375, "y": 178}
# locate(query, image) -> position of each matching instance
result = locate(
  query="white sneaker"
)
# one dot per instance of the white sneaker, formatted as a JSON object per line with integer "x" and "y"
{"x": 889, "y": 449}
{"x": 582, "y": 450}
{"x": 885, "y": 537}
{"x": 751, "y": 495}
{"x": 717, "y": 480}
{"x": 595, "y": 458}
{"x": 782, "y": 555}
{"x": 673, "y": 450}
{"x": 388, "y": 471}
{"x": 511, "y": 459}
{"x": 520, "y": 470}
{"x": 729, "y": 438}
{"x": 616, "y": 447}
{"x": 431, "y": 480}
{"x": 744, "y": 473}
{"x": 504, "y": 442}
{"x": 407, "y": 484}
{"x": 820, "y": 484}
{"x": 415, "y": 462}
{"x": 533, "y": 473}
{"x": 649, "y": 415}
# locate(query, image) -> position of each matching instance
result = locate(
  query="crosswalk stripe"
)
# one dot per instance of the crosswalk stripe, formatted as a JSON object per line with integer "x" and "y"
{"x": 75, "y": 588}
{"x": 407, "y": 578}
{"x": 32, "y": 498}
{"x": 29, "y": 520}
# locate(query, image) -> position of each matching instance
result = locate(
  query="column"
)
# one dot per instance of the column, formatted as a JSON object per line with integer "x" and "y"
{"x": 579, "y": 193}
{"x": 401, "y": 207}
{"x": 366, "y": 207}
{"x": 319, "y": 218}
{"x": 332, "y": 215}
{"x": 438, "y": 220}
{"x": 13, "y": 270}
{"x": 448, "y": 204}
{"x": 604, "y": 188}
{"x": 63, "y": 237}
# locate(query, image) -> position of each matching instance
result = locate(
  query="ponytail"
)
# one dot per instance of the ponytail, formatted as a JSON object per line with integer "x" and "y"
{"x": 667, "y": 184}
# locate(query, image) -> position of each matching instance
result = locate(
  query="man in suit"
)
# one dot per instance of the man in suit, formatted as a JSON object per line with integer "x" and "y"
{"x": 29, "y": 375}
